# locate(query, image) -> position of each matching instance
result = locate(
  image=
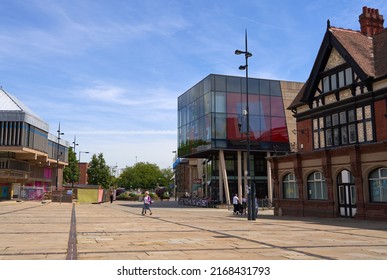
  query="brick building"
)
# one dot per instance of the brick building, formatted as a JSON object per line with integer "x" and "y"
{"x": 340, "y": 167}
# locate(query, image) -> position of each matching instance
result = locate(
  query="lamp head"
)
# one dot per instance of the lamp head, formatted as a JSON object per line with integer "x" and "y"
{"x": 242, "y": 67}
{"x": 238, "y": 52}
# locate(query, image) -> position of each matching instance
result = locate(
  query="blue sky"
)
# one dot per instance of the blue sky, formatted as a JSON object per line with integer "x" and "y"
{"x": 111, "y": 71}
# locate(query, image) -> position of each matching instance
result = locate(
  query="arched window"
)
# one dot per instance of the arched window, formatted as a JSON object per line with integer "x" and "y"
{"x": 317, "y": 188}
{"x": 378, "y": 185}
{"x": 290, "y": 188}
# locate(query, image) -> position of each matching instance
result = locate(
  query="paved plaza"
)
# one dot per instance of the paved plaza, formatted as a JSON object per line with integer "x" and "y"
{"x": 118, "y": 231}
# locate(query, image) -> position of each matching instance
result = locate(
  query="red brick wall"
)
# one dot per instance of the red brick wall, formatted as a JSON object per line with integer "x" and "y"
{"x": 381, "y": 120}
{"x": 304, "y": 136}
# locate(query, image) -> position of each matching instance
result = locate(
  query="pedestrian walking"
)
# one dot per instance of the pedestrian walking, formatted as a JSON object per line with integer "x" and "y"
{"x": 244, "y": 205}
{"x": 147, "y": 203}
{"x": 111, "y": 194}
{"x": 235, "y": 203}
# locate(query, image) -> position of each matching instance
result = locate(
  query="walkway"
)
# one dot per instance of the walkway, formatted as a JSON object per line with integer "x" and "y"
{"x": 118, "y": 231}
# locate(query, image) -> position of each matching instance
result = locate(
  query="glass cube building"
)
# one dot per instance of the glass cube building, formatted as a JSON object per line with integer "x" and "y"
{"x": 212, "y": 118}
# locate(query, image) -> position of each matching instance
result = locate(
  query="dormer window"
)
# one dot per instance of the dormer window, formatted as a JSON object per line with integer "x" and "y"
{"x": 337, "y": 80}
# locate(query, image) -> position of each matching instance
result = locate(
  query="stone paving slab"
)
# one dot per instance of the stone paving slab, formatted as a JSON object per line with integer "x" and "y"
{"x": 118, "y": 231}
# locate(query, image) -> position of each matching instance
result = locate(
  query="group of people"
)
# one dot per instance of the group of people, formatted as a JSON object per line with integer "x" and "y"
{"x": 241, "y": 207}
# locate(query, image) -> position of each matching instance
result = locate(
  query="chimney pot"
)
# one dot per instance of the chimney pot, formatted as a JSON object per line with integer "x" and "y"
{"x": 371, "y": 22}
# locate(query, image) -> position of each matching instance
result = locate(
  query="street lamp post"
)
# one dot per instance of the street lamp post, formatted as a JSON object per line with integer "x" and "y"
{"x": 251, "y": 215}
{"x": 57, "y": 159}
{"x": 75, "y": 144}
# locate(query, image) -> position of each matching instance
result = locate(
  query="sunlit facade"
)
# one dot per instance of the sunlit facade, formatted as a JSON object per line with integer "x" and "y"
{"x": 212, "y": 120}
{"x": 31, "y": 158}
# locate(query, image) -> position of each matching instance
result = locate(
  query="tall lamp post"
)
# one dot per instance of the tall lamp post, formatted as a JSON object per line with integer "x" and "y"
{"x": 75, "y": 144}
{"x": 251, "y": 215}
{"x": 57, "y": 159}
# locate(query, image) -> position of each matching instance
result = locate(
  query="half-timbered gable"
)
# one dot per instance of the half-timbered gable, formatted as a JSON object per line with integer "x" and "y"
{"x": 340, "y": 168}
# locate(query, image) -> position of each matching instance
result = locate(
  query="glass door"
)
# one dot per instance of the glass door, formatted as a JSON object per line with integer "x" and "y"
{"x": 347, "y": 194}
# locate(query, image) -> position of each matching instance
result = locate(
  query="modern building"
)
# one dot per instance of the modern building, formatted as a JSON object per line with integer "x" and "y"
{"x": 31, "y": 159}
{"x": 340, "y": 169}
{"x": 212, "y": 135}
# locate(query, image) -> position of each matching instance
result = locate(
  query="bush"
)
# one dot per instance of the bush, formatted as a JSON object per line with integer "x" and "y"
{"x": 123, "y": 196}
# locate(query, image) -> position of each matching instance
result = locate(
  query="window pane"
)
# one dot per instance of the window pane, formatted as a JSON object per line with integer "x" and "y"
{"x": 352, "y": 133}
{"x": 335, "y": 119}
{"x": 329, "y": 137}
{"x": 220, "y": 102}
{"x": 315, "y": 124}
{"x": 275, "y": 88}
{"x": 351, "y": 115}
{"x": 341, "y": 194}
{"x": 326, "y": 84}
{"x": 328, "y": 121}
{"x": 333, "y": 82}
{"x": 233, "y": 84}
{"x": 220, "y": 83}
{"x": 264, "y": 87}
{"x": 369, "y": 131}
{"x": 348, "y": 76}
{"x": 341, "y": 79}
{"x": 315, "y": 140}
{"x": 360, "y": 132}
{"x": 344, "y": 136}
{"x": 343, "y": 117}
{"x": 336, "y": 137}
{"x": 321, "y": 121}
{"x": 367, "y": 112}
{"x": 322, "y": 139}
{"x": 359, "y": 114}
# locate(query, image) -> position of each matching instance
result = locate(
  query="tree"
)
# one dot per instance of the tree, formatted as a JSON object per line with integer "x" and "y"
{"x": 71, "y": 171}
{"x": 141, "y": 175}
{"x": 99, "y": 172}
{"x": 167, "y": 177}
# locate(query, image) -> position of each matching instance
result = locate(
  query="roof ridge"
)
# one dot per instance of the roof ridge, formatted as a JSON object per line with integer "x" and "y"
{"x": 10, "y": 96}
{"x": 346, "y": 29}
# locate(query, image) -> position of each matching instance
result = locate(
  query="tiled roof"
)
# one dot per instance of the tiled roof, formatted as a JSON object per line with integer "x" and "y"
{"x": 359, "y": 46}
{"x": 370, "y": 53}
{"x": 380, "y": 52}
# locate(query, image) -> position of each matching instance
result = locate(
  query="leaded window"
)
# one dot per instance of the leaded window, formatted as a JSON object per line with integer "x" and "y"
{"x": 378, "y": 185}
{"x": 290, "y": 188}
{"x": 344, "y": 128}
{"x": 317, "y": 189}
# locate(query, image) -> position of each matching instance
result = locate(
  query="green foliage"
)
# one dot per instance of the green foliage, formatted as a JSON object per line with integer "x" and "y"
{"x": 71, "y": 171}
{"x": 141, "y": 176}
{"x": 99, "y": 172}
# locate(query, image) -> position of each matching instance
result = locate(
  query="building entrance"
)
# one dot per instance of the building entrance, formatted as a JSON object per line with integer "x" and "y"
{"x": 347, "y": 194}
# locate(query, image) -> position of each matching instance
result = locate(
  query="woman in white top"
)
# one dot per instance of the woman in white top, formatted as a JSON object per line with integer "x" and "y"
{"x": 147, "y": 203}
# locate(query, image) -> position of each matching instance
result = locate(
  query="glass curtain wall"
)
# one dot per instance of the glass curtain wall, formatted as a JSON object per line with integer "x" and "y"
{"x": 210, "y": 115}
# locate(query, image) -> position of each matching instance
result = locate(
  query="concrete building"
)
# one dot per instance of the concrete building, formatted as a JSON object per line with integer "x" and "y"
{"x": 340, "y": 169}
{"x": 31, "y": 159}
{"x": 211, "y": 135}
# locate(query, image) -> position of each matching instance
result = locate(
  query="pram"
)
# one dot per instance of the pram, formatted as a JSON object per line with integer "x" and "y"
{"x": 238, "y": 209}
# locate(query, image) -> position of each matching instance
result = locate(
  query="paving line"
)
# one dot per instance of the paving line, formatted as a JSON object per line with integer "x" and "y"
{"x": 72, "y": 244}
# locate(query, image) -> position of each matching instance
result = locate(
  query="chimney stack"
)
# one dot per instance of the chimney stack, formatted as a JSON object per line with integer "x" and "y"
{"x": 371, "y": 22}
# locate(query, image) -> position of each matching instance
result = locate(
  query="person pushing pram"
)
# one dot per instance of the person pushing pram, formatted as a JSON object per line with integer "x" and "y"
{"x": 238, "y": 207}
